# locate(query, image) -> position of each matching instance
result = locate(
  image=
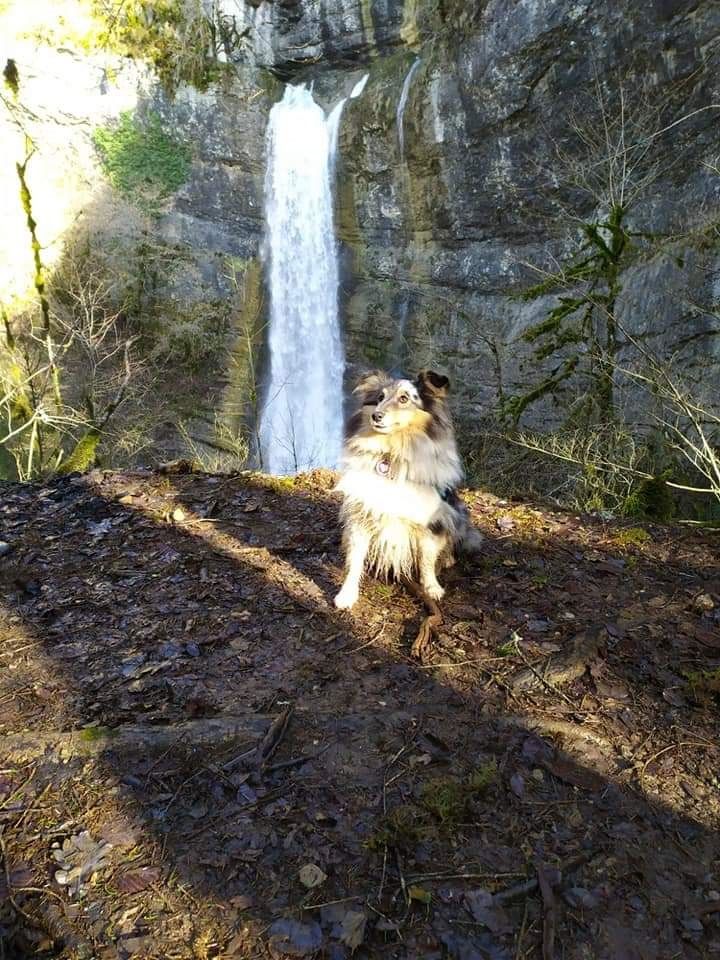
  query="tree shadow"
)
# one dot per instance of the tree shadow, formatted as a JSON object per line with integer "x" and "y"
{"x": 176, "y": 602}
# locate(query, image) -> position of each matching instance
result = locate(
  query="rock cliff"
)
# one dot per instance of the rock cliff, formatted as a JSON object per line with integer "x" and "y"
{"x": 445, "y": 209}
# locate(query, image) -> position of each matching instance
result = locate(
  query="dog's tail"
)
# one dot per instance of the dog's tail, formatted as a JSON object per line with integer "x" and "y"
{"x": 471, "y": 539}
{"x": 468, "y": 539}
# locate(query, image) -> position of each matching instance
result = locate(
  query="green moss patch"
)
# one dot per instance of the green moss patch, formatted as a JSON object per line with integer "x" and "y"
{"x": 140, "y": 160}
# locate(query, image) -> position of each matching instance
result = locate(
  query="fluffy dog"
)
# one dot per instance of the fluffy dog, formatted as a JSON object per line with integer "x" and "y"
{"x": 400, "y": 471}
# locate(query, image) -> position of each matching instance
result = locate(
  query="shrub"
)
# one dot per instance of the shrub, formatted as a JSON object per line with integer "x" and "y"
{"x": 140, "y": 160}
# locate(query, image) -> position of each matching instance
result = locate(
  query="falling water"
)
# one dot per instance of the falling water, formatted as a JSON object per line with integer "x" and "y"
{"x": 359, "y": 87}
{"x": 404, "y": 93}
{"x": 301, "y": 422}
{"x": 399, "y": 348}
{"x": 333, "y": 125}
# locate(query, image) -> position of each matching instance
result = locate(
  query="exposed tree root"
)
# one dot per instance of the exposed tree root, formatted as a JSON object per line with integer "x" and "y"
{"x": 422, "y": 645}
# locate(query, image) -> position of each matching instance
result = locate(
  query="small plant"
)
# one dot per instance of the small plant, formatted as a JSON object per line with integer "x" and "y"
{"x": 140, "y": 160}
{"x": 402, "y": 828}
{"x": 448, "y": 799}
{"x": 632, "y": 537}
{"x": 703, "y": 685}
{"x": 510, "y": 647}
{"x": 651, "y": 500}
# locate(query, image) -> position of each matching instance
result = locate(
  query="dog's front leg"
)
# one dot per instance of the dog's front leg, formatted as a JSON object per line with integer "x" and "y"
{"x": 431, "y": 547}
{"x": 358, "y": 542}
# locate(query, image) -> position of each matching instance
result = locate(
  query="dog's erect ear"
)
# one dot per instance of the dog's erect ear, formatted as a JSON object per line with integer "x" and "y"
{"x": 370, "y": 386}
{"x": 432, "y": 384}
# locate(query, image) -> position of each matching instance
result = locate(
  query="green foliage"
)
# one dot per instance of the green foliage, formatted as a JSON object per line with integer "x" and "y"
{"x": 651, "y": 500}
{"x": 11, "y": 76}
{"x": 703, "y": 685}
{"x": 401, "y": 827}
{"x": 445, "y": 801}
{"x": 448, "y": 799}
{"x": 93, "y": 734}
{"x": 632, "y": 537}
{"x": 140, "y": 160}
{"x": 586, "y": 318}
{"x": 178, "y": 37}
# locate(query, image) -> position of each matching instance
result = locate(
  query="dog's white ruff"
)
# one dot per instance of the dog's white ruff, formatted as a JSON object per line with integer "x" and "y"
{"x": 401, "y": 499}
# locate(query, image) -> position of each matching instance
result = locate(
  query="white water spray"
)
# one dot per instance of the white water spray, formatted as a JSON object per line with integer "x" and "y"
{"x": 400, "y": 114}
{"x": 301, "y": 421}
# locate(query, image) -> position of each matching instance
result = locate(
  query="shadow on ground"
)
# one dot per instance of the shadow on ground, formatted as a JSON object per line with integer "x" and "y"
{"x": 409, "y": 809}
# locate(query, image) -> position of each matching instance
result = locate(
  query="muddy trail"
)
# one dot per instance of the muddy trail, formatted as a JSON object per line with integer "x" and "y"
{"x": 202, "y": 758}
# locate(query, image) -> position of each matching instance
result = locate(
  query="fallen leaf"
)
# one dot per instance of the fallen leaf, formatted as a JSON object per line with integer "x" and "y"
{"x": 704, "y": 603}
{"x": 78, "y": 859}
{"x": 312, "y": 876}
{"x": 119, "y": 833}
{"x": 485, "y": 910}
{"x": 352, "y": 931}
{"x": 289, "y": 938}
{"x": 517, "y": 785}
{"x": 615, "y": 690}
{"x": 134, "y": 881}
{"x": 674, "y": 697}
{"x": 420, "y": 894}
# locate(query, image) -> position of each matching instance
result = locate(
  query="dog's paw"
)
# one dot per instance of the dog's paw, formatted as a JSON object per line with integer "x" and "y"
{"x": 434, "y": 591}
{"x": 346, "y": 599}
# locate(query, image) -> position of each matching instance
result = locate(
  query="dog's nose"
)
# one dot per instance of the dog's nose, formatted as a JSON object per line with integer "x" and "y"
{"x": 377, "y": 416}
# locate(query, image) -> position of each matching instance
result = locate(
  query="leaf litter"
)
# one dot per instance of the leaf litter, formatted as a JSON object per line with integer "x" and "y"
{"x": 350, "y": 822}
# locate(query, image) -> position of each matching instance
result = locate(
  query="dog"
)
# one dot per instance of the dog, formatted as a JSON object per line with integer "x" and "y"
{"x": 400, "y": 470}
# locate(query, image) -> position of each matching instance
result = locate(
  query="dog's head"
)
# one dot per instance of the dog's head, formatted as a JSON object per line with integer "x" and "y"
{"x": 401, "y": 405}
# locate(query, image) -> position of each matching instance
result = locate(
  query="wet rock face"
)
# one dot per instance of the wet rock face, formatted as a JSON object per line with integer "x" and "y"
{"x": 437, "y": 240}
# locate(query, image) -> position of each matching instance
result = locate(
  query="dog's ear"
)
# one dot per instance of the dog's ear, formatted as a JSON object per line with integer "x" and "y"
{"x": 431, "y": 384}
{"x": 370, "y": 386}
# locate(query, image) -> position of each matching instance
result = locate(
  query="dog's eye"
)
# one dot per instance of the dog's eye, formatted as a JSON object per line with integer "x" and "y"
{"x": 403, "y": 398}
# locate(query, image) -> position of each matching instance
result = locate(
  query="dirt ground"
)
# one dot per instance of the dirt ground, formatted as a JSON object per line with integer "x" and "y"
{"x": 202, "y": 758}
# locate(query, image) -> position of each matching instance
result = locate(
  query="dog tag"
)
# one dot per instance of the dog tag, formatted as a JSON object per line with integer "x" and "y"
{"x": 383, "y": 467}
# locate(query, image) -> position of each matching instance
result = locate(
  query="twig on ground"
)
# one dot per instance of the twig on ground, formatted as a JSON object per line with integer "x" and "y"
{"x": 531, "y": 884}
{"x": 272, "y": 739}
{"x": 370, "y": 642}
{"x": 403, "y": 884}
{"x": 549, "y": 913}
{"x": 543, "y": 680}
{"x": 521, "y": 934}
{"x": 462, "y": 876}
{"x": 296, "y": 761}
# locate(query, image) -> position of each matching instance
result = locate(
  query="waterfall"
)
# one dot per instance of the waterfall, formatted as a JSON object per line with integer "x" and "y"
{"x": 399, "y": 116}
{"x": 333, "y": 125}
{"x": 301, "y": 421}
{"x": 359, "y": 87}
{"x": 399, "y": 349}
